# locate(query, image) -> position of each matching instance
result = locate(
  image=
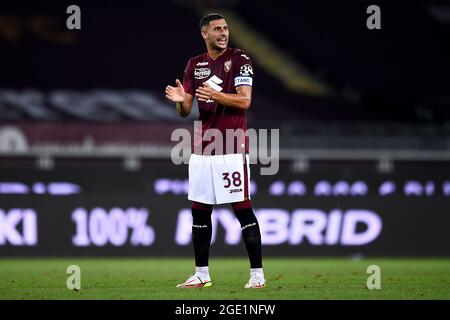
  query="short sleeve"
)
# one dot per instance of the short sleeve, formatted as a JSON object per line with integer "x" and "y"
{"x": 188, "y": 81}
{"x": 243, "y": 70}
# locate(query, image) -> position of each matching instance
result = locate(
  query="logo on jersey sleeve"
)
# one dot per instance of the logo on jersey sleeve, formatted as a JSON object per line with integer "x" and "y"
{"x": 202, "y": 73}
{"x": 245, "y": 76}
{"x": 227, "y": 66}
{"x": 246, "y": 70}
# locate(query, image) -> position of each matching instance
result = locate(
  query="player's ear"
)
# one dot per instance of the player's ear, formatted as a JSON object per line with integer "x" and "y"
{"x": 204, "y": 34}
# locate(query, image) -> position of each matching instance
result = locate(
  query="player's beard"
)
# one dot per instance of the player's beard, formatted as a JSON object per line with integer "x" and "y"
{"x": 214, "y": 46}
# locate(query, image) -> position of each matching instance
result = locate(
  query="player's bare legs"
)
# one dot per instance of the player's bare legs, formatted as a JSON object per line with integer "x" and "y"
{"x": 252, "y": 239}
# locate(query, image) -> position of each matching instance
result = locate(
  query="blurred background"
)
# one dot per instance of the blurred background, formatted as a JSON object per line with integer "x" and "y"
{"x": 364, "y": 120}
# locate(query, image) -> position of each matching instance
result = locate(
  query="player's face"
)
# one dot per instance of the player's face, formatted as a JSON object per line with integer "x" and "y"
{"x": 216, "y": 35}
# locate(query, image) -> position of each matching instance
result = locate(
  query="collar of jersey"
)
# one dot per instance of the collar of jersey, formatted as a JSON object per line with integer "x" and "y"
{"x": 223, "y": 56}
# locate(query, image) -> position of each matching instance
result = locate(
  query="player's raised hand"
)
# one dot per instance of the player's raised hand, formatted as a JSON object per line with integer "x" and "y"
{"x": 175, "y": 94}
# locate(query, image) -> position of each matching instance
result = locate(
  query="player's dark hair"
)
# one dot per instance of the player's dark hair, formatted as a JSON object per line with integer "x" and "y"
{"x": 208, "y": 18}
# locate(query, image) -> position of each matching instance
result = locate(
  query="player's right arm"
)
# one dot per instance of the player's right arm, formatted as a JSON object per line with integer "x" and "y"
{"x": 182, "y": 99}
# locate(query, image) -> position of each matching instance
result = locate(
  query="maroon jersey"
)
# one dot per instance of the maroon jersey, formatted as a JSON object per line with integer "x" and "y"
{"x": 232, "y": 69}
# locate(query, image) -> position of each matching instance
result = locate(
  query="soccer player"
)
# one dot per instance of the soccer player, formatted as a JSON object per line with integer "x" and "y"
{"x": 222, "y": 80}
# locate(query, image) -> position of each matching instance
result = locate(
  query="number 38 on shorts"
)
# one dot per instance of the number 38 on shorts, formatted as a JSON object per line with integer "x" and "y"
{"x": 236, "y": 179}
{"x": 218, "y": 179}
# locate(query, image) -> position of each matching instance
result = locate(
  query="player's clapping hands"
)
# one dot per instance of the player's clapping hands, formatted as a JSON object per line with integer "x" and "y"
{"x": 175, "y": 94}
{"x": 205, "y": 93}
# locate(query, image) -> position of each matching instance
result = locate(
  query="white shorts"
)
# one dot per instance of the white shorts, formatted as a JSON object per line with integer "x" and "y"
{"x": 218, "y": 179}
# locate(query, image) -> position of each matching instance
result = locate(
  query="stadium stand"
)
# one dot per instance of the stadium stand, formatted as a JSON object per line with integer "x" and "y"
{"x": 363, "y": 88}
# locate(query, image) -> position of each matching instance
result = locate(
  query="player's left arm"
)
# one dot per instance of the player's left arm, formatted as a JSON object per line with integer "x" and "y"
{"x": 242, "y": 99}
{"x": 243, "y": 82}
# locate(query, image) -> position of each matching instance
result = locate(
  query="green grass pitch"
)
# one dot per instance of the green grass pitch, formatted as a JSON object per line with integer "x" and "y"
{"x": 288, "y": 278}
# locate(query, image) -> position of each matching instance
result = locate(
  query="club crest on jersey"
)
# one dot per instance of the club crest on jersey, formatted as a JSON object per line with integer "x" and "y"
{"x": 202, "y": 73}
{"x": 246, "y": 70}
{"x": 227, "y": 66}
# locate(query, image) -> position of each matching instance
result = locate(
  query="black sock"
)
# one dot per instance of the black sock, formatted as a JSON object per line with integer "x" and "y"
{"x": 201, "y": 235}
{"x": 251, "y": 235}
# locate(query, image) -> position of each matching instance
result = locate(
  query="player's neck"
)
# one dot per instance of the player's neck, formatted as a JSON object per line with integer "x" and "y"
{"x": 215, "y": 54}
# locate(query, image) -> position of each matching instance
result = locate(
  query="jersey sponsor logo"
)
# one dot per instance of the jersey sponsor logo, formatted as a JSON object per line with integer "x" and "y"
{"x": 227, "y": 66}
{"x": 201, "y": 64}
{"x": 202, "y": 73}
{"x": 214, "y": 82}
{"x": 243, "y": 81}
{"x": 246, "y": 70}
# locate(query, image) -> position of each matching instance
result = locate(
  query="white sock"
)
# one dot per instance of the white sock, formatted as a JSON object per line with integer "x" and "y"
{"x": 202, "y": 273}
{"x": 258, "y": 271}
